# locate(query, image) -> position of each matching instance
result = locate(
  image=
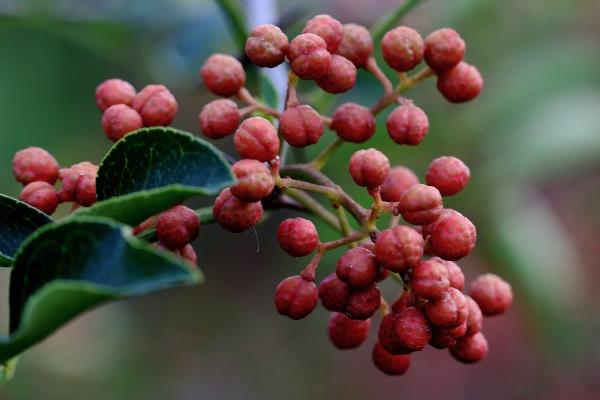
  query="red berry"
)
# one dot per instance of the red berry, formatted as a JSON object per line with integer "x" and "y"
{"x": 257, "y": 139}
{"x": 40, "y": 195}
{"x": 407, "y": 124}
{"x": 448, "y": 311}
{"x": 79, "y": 184}
{"x": 156, "y": 105}
{"x": 330, "y": 29}
{"x": 119, "y": 120}
{"x": 34, "y": 164}
{"x": 114, "y": 91}
{"x": 219, "y": 118}
{"x": 177, "y": 227}
{"x": 346, "y": 333}
{"x": 309, "y": 57}
{"x": 420, "y": 204}
{"x": 334, "y": 293}
{"x": 357, "y": 44}
{"x": 295, "y": 297}
{"x": 429, "y": 279}
{"x": 398, "y": 179}
{"x": 301, "y": 126}
{"x": 492, "y": 293}
{"x": 448, "y": 174}
{"x": 446, "y": 337}
{"x": 475, "y": 318}
{"x": 453, "y": 236}
{"x": 406, "y": 299}
{"x": 369, "y": 167}
{"x": 358, "y": 268}
{"x": 254, "y": 180}
{"x": 353, "y": 123}
{"x": 235, "y": 215}
{"x": 341, "y": 76}
{"x": 404, "y": 332}
{"x": 470, "y": 349}
{"x": 399, "y": 249}
{"x": 223, "y": 75}
{"x": 363, "y": 304}
{"x": 189, "y": 254}
{"x": 266, "y": 46}
{"x": 460, "y": 83}
{"x": 389, "y": 363}
{"x": 298, "y": 236}
{"x": 444, "y": 48}
{"x": 455, "y": 274}
{"x": 402, "y": 48}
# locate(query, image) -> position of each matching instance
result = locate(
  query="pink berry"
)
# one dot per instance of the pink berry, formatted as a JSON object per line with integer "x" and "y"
{"x": 257, "y": 139}
{"x": 298, "y": 236}
{"x": 447, "y": 337}
{"x": 177, "y": 227}
{"x": 388, "y": 363}
{"x": 34, "y": 164}
{"x": 309, "y": 57}
{"x": 404, "y": 332}
{"x": 444, "y": 48}
{"x": 420, "y": 204}
{"x": 353, "y": 123}
{"x": 156, "y": 105}
{"x": 453, "y": 236}
{"x": 358, "y": 268}
{"x": 330, "y": 29}
{"x": 475, "y": 318}
{"x": 235, "y": 215}
{"x": 402, "y": 48}
{"x": 254, "y": 180}
{"x": 398, "y": 179}
{"x": 357, "y": 44}
{"x": 188, "y": 253}
{"x": 301, "y": 126}
{"x": 364, "y": 303}
{"x": 119, "y": 120}
{"x": 346, "y": 333}
{"x": 407, "y": 124}
{"x": 296, "y": 297}
{"x": 448, "y": 311}
{"x": 369, "y": 167}
{"x": 470, "y": 349}
{"x": 461, "y": 83}
{"x": 267, "y": 46}
{"x": 399, "y": 249}
{"x": 429, "y": 279}
{"x": 334, "y": 293}
{"x": 492, "y": 293}
{"x": 223, "y": 75}
{"x": 341, "y": 76}
{"x": 40, "y": 195}
{"x": 79, "y": 184}
{"x": 114, "y": 91}
{"x": 219, "y": 118}
{"x": 448, "y": 174}
{"x": 455, "y": 274}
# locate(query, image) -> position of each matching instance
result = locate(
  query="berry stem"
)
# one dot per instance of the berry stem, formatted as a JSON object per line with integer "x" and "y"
{"x": 245, "y": 96}
{"x": 373, "y": 68}
{"x": 291, "y": 97}
{"x": 403, "y": 86}
{"x": 344, "y": 223}
{"x": 319, "y": 162}
{"x": 394, "y": 221}
{"x": 314, "y": 207}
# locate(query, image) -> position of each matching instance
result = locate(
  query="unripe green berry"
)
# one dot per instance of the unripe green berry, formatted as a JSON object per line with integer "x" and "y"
{"x": 301, "y": 126}
{"x": 341, "y": 76}
{"x": 402, "y": 48}
{"x": 34, "y": 164}
{"x": 267, "y": 46}
{"x": 119, "y": 120}
{"x": 223, "y": 75}
{"x": 298, "y": 237}
{"x": 257, "y": 139}
{"x": 156, "y": 105}
{"x": 114, "y": 91}
{"x": 219, "y": 118}
{"x": 353, "y": 123}
{"x": 369, "y": 167}
{"x": 407, "y": 124}
{"x": 327, "y": 27}
{"x": 444, "y": 48}
{"x": 461, "y": 83}
{"x": 398, "y": 179}
{"x": 254, "y": 180}
{"x": 235, "y": 215}
{"x": 420, "y": 204}
{"x": 309, "y": 57}
{"x": 40, "y": 195}
{"x": 357, "y": 44}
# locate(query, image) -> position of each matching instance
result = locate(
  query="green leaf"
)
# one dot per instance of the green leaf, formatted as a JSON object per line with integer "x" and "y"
{"x": 390, "y": 20}
{"x": 68, "y": 267}
{"x": 268, "y": 92}
{"x": 237, "y": 23}
{"x": 153, "y": 169}
{"x": 18, "y": 220}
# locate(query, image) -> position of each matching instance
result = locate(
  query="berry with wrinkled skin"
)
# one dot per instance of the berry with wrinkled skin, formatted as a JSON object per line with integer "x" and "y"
{"x": 79, "y": 184}
{"x": 357, "y": 267}
{"x": 119, "y": 120}
{"x": 444, "y": 48}
{"x": 257, "y": 139}
{"x": 407, "y": 124}
{"x": 219, "y": 118}
{"x": 334, "y": 293}
{"x": 453, "y": 236}
{"x": 353, "y": 123}
{"x": 398, "y": 179}
{"x": 236, "y": 215}
{"x": 402, "y": 48}
{"x": 420, "y": 204}
{"x": 428, "y": 228}
{"x": 461, "y": 83}
{"x": 340, "y": 77}
{"x": 369, "y": 167}
{"x": 449, "y": 311}
{"x": 446, "y": 337}
{"x": 327, "y": 27}
{"x": 429, "y": 279}
{"x": 34, "y": 164}
{"x": 404, "y": 332}
{"x": 357, "y": 44}
{"x": 309, "y": 57}
{"x": 223, "y": 75}
{"x": 114, "y": 91}
{"x": 492, "y": 293}
{"x": 448, "y": 174}
{"x": 188, "y": 253}
{"x": 298, "y": 236}
{"x": 295, "y": 297}
{"x": 156, "y": 105}
{"x": 362, "y": 304}
{"x": 40, "y": 195}
{"x": 475, "y": 318}
{"x": 470, "y": 349}
{"x": 399, "y": 249}
{"x": 254, "y": 180}
{"x": 455, "y": 274}
{"x": 266, "y": 46}
{"x": 391, "y": 364}
{"x": 177, "y": 227}
{"x": 346, "y": 333}
{"x": 301, "y": 126}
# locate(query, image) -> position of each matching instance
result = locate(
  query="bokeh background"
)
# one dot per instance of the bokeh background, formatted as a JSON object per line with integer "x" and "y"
{"x": 532, "y": 140}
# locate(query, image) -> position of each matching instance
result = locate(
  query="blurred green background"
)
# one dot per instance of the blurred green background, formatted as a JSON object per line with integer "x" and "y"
{"x": 532, "y": 140}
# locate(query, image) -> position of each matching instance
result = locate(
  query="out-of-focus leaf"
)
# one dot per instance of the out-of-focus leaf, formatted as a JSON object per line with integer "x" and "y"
{"x": 235, "y": 19}
{"x": 268, "y": 92}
